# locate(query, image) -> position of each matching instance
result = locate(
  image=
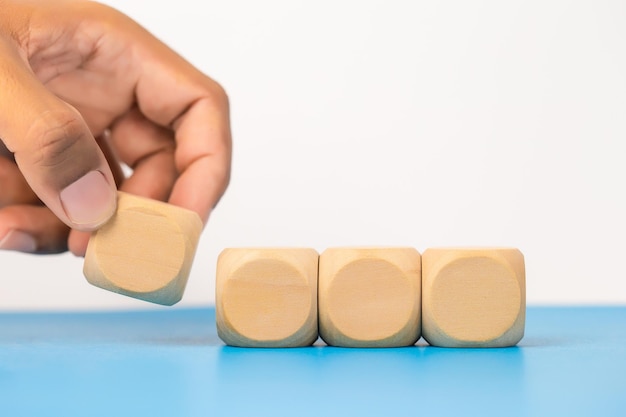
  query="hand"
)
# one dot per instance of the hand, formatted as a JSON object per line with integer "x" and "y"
{"x": 81, "y": 83}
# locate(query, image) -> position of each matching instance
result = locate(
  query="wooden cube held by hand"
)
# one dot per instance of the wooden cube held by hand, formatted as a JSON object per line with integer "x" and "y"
{"x": 473, "y": 297}
{"x": 145, "y": 251}
{"x": 267, "y": 297}
{"x": 370, "y": 297}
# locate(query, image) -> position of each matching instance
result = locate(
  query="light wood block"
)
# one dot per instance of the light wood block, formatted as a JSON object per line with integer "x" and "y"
{"x": 145, "y": 251}
{"x": 267, "y": 297}
{"x": 473, "y": 297}
{"x": 370, "y": 297}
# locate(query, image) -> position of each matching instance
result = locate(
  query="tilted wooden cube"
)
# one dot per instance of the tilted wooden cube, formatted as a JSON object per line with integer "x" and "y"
{"x": 370, "y": 297}
{"x": 267, "y": 297}
{"x": 473, "y": 297}
{"x": 145, "y": 251}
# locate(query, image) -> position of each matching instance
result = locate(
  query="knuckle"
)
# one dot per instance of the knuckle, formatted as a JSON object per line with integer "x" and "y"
{"x": 217, "y": 96}
{"x": 53, "y": 135}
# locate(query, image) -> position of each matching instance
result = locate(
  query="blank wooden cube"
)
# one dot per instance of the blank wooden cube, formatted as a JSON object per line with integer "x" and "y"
{"x": 267, "y": 297}
{"x": 145, "y": 251}
{"x": 473, "y": 297}
{"x": 370, "y": 297}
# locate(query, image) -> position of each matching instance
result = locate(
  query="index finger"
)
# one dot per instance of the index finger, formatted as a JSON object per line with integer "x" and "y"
{"x": 203, "y": 157}
{"x": 172, "y": 93}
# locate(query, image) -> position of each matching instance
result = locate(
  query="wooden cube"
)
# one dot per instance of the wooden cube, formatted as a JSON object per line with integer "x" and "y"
{"x": 267, "y": 297}
{"x": 370, "y": 297}
{"x": 145, "y": 251}
{"x": 473, "y": 297}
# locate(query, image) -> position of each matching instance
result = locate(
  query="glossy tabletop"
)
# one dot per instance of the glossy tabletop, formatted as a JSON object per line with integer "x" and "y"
{"x": 572, "y": 362}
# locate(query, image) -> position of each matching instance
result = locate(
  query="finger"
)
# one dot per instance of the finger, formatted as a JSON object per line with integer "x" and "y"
{"x": 153, "y": 177}
{"x": 77, "y": 242}
{"x": 149, "y": 150}
{"x": 53, "y": 147}
{"x": 111, "y": 156}
{"x": 32, "y": 229}
{"x": 204, "y": 164}
{"x": 197, "y": 109}
{"x": 13, "y": 187}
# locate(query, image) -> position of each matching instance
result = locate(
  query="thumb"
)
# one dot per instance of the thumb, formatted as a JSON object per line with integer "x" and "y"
{"x": 53, "y": 147}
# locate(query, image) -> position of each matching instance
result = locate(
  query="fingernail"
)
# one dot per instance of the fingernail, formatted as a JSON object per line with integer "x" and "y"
{"x": 19, "y": 241}
{"x": 89, "y": 201}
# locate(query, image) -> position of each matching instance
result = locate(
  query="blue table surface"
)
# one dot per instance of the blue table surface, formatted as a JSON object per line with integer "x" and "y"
{"x": 572, "y": 362}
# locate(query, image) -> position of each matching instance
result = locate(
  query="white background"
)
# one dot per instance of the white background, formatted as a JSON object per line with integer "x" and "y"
{"x": 402, "y": 123}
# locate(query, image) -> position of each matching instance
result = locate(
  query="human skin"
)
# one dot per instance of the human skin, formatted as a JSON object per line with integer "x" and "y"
{"x": 82, "y": 88}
